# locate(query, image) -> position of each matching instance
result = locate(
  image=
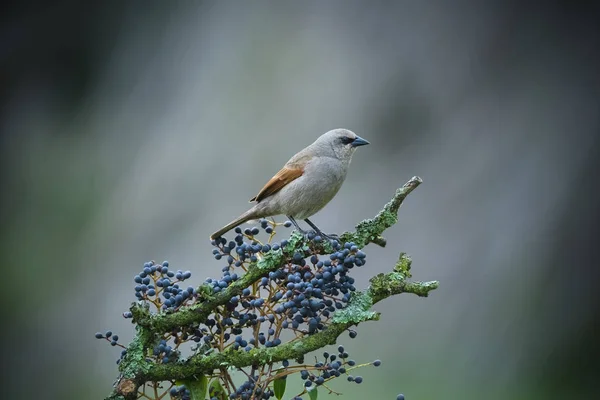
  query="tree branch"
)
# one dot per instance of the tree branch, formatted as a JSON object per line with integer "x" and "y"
{"x": 136, "y": 369}
{"x": 367, "y": 231}
{"x": 357, "y": 311}
{"x": 370, "y": 230}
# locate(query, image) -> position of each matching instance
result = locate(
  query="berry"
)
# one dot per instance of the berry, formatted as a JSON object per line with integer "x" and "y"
{"x": 302, "y": 295}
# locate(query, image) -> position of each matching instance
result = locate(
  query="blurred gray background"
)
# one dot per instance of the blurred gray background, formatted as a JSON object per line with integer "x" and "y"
{"x": 132, "y": 130}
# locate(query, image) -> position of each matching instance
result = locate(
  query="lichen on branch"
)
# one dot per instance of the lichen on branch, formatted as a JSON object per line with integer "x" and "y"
{"x": 237, "y": 322}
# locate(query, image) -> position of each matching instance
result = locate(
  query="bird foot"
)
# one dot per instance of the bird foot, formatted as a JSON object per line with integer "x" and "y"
{"x": 308, "y": 235}
{"x": 314, "y": 234}
{"x": 330, "y": 236}
{"x": 305, "y": 233}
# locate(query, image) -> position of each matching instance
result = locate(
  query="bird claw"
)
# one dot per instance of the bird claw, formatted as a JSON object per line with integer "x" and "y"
{"x": 331, "y": 236}
{"x": 311, "y": 235}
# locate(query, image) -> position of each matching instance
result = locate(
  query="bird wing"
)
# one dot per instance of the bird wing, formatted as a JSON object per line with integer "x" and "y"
{"x": 292, "y": 170}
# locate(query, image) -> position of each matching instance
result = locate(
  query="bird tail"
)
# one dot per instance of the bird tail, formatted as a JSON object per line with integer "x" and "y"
{"x": 245, "y": 217}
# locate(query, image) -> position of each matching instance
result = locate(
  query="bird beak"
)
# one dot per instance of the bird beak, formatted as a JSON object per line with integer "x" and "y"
{"x": 359, "y": 142}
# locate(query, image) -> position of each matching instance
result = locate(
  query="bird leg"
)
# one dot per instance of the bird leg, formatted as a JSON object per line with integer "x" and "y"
{"x": 302, "y": 231}
{"x": 319, "y": 232}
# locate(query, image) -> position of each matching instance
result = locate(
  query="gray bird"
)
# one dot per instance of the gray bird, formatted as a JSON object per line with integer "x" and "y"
{"x": 306, "y": 183}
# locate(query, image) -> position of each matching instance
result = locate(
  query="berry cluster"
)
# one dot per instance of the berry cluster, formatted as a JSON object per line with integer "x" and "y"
{"x": 160, "y": 286}
{"x": 114, "y": 341}
{"x": 165, "y": 352}
{"x": 180, "y": 392}
{"x": 298, "y": 299}
{"x": 250, "y": 389}
{"x": 332, "y": 367}
{"x": 302, "y": 295}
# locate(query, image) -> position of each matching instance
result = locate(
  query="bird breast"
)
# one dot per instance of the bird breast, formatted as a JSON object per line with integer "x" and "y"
{"x": 305, "y": 196}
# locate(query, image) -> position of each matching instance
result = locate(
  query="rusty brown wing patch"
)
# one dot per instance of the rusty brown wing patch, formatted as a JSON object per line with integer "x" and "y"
{"x": 282, "y": 178}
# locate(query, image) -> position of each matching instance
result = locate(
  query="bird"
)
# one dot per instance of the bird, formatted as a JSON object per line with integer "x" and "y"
{"x": 306, "y": 183}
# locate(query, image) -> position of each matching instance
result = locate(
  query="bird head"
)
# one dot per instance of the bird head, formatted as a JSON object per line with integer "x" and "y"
{"x": 339, "y": 143}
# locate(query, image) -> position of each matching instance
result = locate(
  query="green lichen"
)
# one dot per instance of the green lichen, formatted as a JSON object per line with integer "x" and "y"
{"x": 358, "y": 310}
{"x": 294, "y": 242}
{"x": 385, "y": 285}
{"x": 270, "y": 260}
{"x": 403, "y": 265}
{"x": 370, "y": 230}
{"x": 134, "y": 361}
{"x": 421, "y": 289}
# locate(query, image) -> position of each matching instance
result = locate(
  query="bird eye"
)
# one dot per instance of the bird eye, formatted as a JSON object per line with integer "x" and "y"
{"x": 346, "y": 140}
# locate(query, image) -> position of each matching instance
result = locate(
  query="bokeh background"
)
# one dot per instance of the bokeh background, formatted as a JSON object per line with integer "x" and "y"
{"x": 132, "y": 130}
